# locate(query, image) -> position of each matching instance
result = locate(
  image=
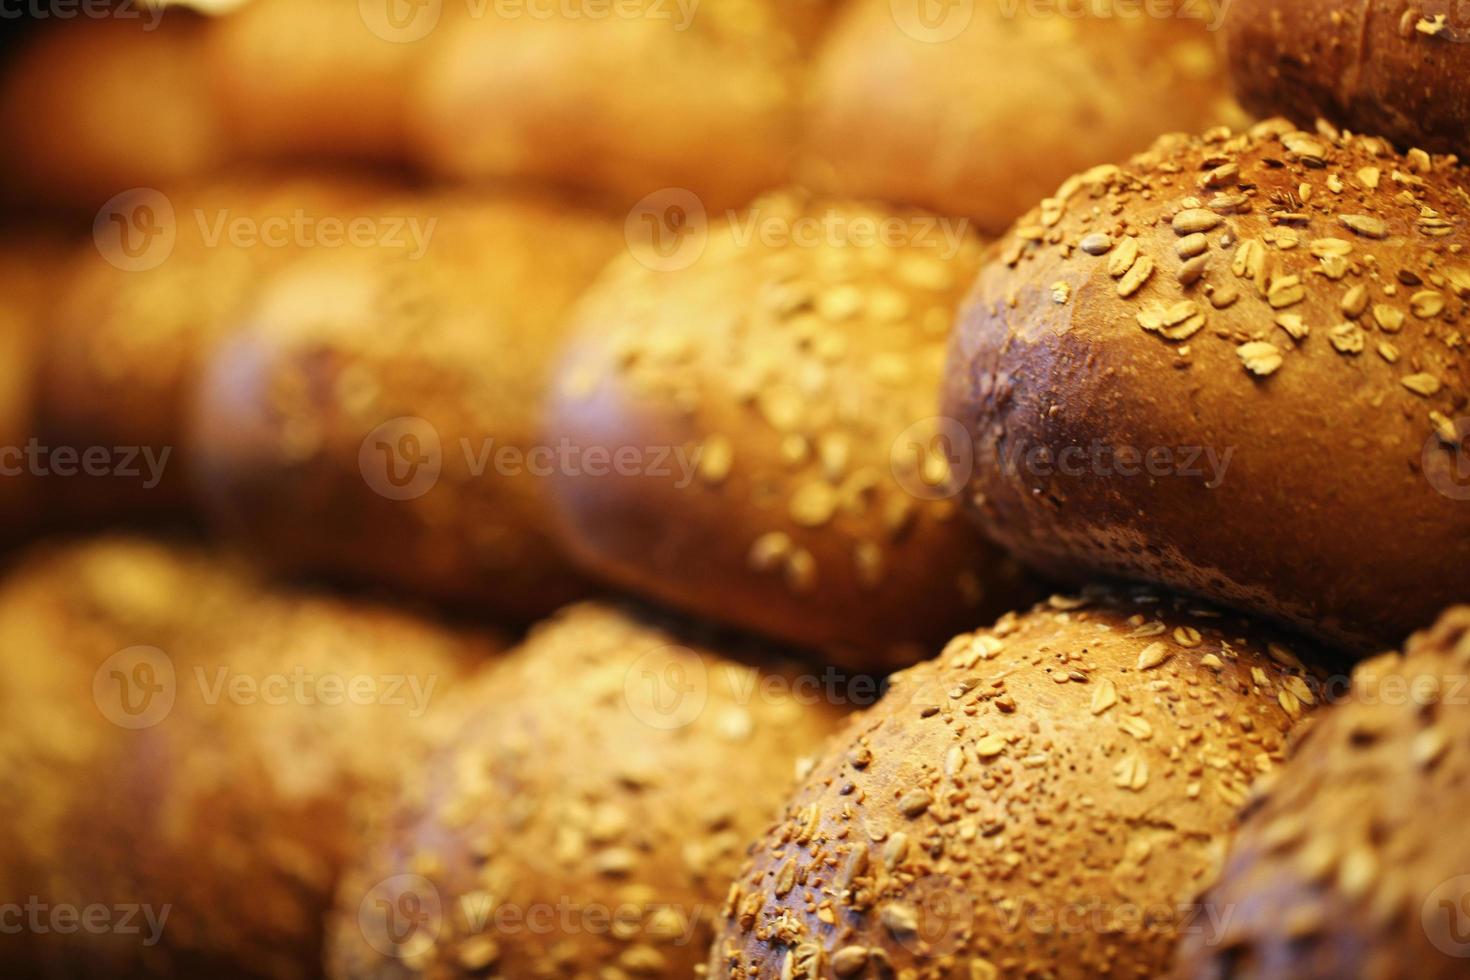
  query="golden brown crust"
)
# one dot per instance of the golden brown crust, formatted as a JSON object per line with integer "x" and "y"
{"x": 93, "y": 106}
{"x": 228, "y": 792}
{"x": 126, "y": 338}
{"x": 1395, "y": 68}
{"x": 378, "y": 416}
{"x": 1278, "y": 315}
{"x": 1348, "y": 863}
{"x": 696, "y": 96}
{"x": 985, "y": 109}
{"x": 775, "y": 394}
{"x": 1038, "y": 801}
{"x": 611, "y": 768}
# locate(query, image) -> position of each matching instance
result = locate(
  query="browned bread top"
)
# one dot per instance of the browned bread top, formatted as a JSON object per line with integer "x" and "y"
{"x": 1349, "y": 862}
{"x": 1390, "y": 67}
{"x": 1037, "y": 801}
{"x": 587, "y": 818}
{"x": 980, "y": 108}
{"x": 1281, "y": 314}
{"x": 776, "y": 383}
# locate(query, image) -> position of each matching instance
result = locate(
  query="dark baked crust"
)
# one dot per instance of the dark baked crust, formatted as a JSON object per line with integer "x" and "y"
{"x": 987, "y": 121}
{"x": 1349, "y": 863}
{"x": 294, "y": 446}
{"x": 788, "y": 387}
{"x": 1293, "y": 300}
{"x": 1039, "y": 801}
{"x": 1395, "y": 68}
{"x": 580, "y": 781}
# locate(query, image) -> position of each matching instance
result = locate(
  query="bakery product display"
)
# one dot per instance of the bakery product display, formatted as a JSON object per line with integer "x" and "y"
{"x": 520, "y": 857}
{"x": 394, "y": 399}
{"x": 1343, "y": 866}
{"x": 229, "y": 735}
{"x": 983, "y": 108}
{"x": 551, "y": 94}
{"x": 1396, "y": 70}
{"x": 770, "y": 403}
{"x": 1147, "y": 367}
{"x": 1040, "y": 800}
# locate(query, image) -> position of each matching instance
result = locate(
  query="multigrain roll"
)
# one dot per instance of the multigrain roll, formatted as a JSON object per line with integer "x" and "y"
{"x": 622, "y": 101}
{"x": 379, "y": 415}
{"x": 1235, "y": 367}
{"x": 1344, "y": 866}
{"x": 982, "y": 108}
{"x": 1397, "y": 69}
{"x": 141, "y": 305}
{"x": 93, "y": 106}
{"x": 763, "y": 407}
{"x": 1043, "y": 800}
{"x": 182, "y": 744}
{"x": 586, "y": 819}
{"x": 326, "y": 79}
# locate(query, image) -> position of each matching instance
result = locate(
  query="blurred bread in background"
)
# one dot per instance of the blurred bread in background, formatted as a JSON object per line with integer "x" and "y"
{"x": 93, "y": 106}
{"x": 137, "y": 309}
{"x": 180, "y": 739}
{"x": 1381, "y": 67}
{"x": 981, "y": 109}
{"x": 380, "y": 413}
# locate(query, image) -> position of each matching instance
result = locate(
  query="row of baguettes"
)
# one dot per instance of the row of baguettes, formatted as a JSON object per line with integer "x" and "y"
{"x": 279, "y": 785}
{"x": 978, "y": 113}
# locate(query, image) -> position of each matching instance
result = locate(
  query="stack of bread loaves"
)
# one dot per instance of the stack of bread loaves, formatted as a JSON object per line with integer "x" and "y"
{"x": 572, "y": 485}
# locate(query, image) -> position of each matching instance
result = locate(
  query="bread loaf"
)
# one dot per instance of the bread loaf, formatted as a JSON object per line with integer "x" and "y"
{"x": 180, "y": 743}
{"x": 587, "y": 817}
{"x": 1043, "y": 800}
{"x": 981, "y": 108}
{"x": 763, "y": 406}
{"x": 1234, "y": 366}
{"x": 1398, "y": 70}
{"x": 1344, "y": 866}
{"x": 379, "y": 415}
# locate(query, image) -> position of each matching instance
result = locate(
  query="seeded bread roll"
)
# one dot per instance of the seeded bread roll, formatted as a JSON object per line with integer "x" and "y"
{"x": 1391, "y": 67}
{"x": 93, "y": 106}
{"x": 379, "y": 416}
{"x": 1202, "y": 368}
{"x": 657, "y": 94}
{"x": 768, "y": 411}
{"x": 326, "y": 79}
{"x": 586, "y": 819}
{"x": 140, "y": 306}
{"x": 179, "y": 741}
{"x": 1344, "y": 866}
{"x": 986, "y": 108}
{"x": 1038, "y": 801}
